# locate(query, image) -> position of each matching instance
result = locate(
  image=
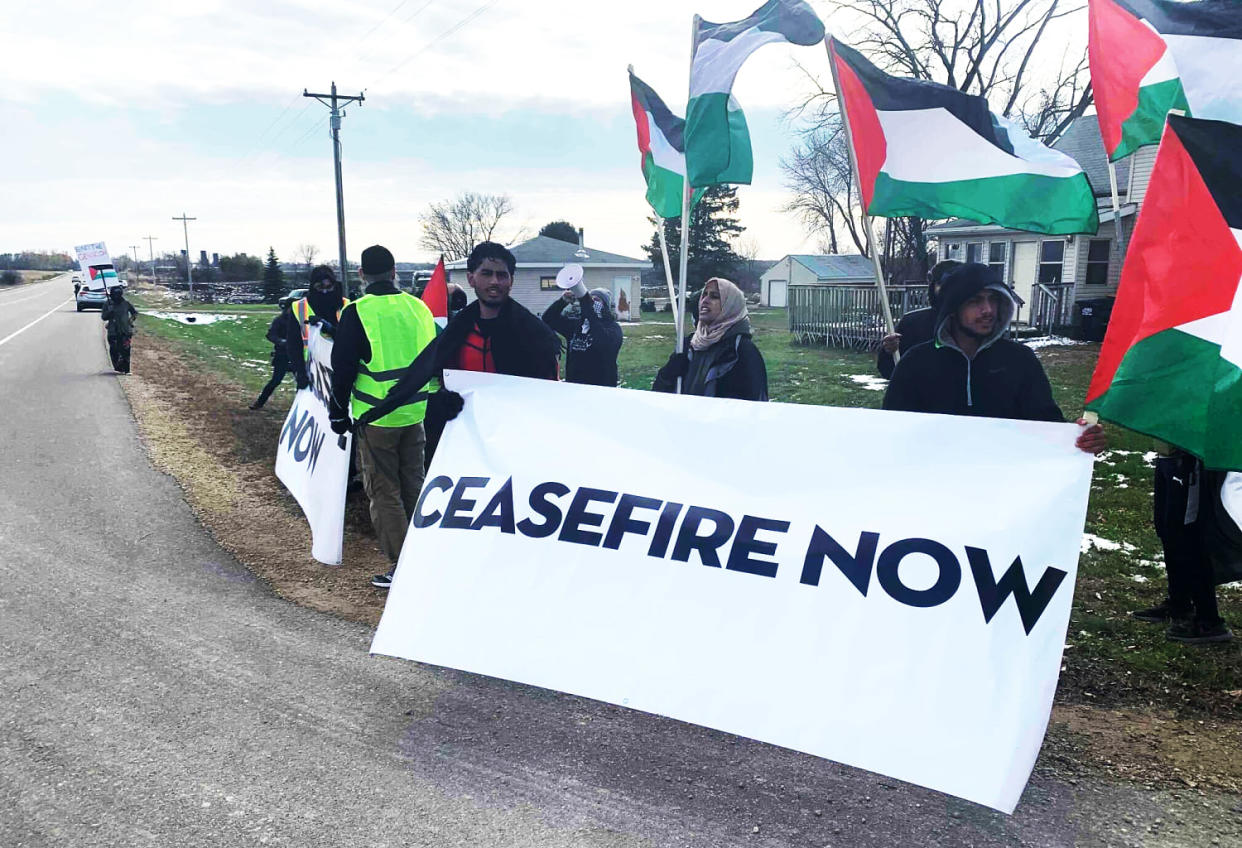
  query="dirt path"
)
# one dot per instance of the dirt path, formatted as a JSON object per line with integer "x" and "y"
{"x": 197, "y": 428}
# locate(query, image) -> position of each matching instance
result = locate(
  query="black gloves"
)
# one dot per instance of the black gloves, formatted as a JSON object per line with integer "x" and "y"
{"x": 445, "y": 405}
{"x": 677, "y": 366}
{"x": 340, "y": 426}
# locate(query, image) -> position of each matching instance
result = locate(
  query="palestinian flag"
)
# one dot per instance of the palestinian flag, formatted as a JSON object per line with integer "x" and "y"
{"x": 662, "y": 145}
{"x": 931, "y": 151}
{"x": 1149, "y": 57}
{"x": 1171, "y": 365}
{"x": 435, "y": 295}
{"x": 717, "y": 138}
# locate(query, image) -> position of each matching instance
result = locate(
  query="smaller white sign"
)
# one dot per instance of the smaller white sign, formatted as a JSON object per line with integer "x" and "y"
{"x": 95, "y": 254}
{"x": 312, "y": 461}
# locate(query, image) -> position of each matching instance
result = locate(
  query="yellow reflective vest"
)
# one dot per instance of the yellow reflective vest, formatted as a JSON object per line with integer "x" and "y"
{"x": 398, "y": 327}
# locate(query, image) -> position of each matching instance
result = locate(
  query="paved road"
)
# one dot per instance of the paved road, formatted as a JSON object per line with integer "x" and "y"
{"x": 153, "y": 694}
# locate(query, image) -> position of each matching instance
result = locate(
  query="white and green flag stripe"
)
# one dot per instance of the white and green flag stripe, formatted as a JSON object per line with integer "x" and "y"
{"x": 717, "y": 140}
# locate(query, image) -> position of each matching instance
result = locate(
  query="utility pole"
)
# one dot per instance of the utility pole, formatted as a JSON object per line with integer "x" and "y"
{"x": 134, "y": 248}
{"x": 334, "y": 102}
{"x": 189, "y": 278}
{"x": 151, "y": 248}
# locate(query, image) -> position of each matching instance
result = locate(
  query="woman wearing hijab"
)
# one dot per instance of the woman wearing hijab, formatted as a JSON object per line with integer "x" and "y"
{"x": 720, "y": 358}
{"x": 322, "y": 305}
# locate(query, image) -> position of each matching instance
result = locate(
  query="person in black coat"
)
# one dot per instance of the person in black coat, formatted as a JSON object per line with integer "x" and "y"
{"x": 593, "y": 341}
{"x": 969, "y": 368}
{"x": 276, "y": 332}
{"x": 917, "y": 326}
{"x": 324, "y": 301}
{"x": 720, "y": 359}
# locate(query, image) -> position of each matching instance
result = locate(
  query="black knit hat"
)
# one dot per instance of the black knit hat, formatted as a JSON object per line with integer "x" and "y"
{"x": 377, "y": 259}
{"x": 322, "y": 272}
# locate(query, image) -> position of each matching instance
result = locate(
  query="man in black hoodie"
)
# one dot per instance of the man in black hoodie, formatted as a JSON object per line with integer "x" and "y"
{"x": 918, "y": 326}
{"x": 969, "y": 368}
{"x": 593, "y": 340}
{"x": 118, "y": 313}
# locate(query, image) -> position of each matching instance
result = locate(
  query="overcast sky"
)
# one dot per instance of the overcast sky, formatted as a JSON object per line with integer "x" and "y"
{"x": 120, "y": 115}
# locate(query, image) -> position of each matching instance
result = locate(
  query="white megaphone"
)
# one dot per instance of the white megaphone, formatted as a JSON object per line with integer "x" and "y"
{"x": 570, "y": 279}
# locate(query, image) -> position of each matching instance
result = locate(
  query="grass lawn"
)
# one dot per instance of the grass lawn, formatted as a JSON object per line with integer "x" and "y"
{"x": 1110, "y": 658}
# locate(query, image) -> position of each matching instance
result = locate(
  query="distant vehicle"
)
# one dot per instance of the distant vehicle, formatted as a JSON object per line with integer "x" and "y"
{"x": 91, "y": 299}
{"x": 292, "y": 297}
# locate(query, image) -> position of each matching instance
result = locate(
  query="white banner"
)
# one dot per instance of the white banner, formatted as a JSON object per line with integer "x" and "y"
{"x": 312, "y": 461}
{"x": 95, "y": 254}
{"x": 888, "y": 590}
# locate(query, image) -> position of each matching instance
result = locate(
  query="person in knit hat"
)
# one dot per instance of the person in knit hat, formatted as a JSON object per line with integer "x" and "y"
{"x": 592, "y": 340}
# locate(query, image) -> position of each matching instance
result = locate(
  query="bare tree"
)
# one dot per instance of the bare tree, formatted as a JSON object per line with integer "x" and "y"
{"x": 454, "y": 227}
{"x": 306, "y": 254}
{"x": 1000, "y": 49}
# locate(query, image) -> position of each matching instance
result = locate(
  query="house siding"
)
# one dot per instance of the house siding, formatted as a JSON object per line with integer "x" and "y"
{"x": 1141, "y": 163}
{"x": 526, "y": 289}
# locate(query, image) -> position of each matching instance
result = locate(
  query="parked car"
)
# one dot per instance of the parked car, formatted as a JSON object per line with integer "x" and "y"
{"x": 292, "y": 297}
{"x": 91, "y": 299}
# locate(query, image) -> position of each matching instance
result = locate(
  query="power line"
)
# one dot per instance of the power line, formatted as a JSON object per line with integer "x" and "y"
{"x": 454, "y": 28}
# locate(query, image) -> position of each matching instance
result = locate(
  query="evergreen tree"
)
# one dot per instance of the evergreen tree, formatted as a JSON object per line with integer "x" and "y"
{"x": 713, "y": 229}
{"x": 273, "y": 278}
{"x": 561, "y": 230}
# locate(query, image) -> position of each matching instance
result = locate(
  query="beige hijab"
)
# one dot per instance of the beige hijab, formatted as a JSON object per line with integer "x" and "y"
{"x": 732, "y": 311}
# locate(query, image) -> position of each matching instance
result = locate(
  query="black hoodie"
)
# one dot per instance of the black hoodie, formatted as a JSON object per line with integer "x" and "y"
{"x": 593, "y": 341}
{"x": 325, "y": 306}
{"x": 1004, "y": 379}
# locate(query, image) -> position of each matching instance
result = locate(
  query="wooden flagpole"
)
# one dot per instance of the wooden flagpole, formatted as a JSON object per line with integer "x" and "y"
{"x": 885, "y": 309}
{"x": 1117, "y": 228}
{"x": 686, "y": 193}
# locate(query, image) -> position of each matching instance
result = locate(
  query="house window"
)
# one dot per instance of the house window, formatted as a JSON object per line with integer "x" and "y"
{"x": 1097, "y": 262}
{"x": 974, "y": 252}
{"x": 1051, "y": 261}
{"x": 952, "y": 251}
{"x": 547, "y": 284}
{"x": 996, "y": 258}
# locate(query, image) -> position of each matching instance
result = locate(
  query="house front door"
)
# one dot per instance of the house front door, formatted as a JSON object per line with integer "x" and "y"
{"x": 1023, "y": 268}
{"x": 621, "y": 298}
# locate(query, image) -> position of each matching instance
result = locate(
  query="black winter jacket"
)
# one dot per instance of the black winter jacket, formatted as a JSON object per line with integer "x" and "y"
{"x": 1004, "y": 379}
{"x": 731, "y": 368}
{"x": 592, "y": 342}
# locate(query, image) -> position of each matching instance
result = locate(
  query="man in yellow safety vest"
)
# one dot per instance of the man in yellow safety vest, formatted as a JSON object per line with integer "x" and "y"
{"x": 378, "y": 336}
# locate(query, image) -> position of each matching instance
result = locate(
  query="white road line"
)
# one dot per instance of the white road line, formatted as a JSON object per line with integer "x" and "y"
{"x": 35, "y": 321}
{"x": 29, "y": 297}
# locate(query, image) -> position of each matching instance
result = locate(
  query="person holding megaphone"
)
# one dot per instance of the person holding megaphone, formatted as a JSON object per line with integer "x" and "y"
{"x": 593, "y": 342}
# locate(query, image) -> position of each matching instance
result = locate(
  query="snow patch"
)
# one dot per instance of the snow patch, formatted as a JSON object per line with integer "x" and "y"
{"x": 197, "y": 317}
{"x": 1138, "y": 578}
{"x": 870, "y": 382}
{"x": 1050, "y": 341}
{"x": 1089, "y": 541}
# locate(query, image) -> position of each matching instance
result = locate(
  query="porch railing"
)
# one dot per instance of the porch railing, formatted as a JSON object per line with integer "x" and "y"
{"x": 1052, "y": 307}
{"x": 848, "y": 315}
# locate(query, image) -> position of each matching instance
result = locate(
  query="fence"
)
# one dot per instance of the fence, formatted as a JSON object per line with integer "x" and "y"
{"x": 848, "y": 315}
{"x": 1052, "y": 307}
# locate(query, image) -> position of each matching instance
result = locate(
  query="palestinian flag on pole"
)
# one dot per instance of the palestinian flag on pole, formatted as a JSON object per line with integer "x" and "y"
{"x": 662, "y": 145}
{"x": 1149, "y": 57}
{"x": 931, "y": 151}
{"x": 1171, "y": 365}
{"x": 435, "y": 295}
{"x": 717, "y": 139}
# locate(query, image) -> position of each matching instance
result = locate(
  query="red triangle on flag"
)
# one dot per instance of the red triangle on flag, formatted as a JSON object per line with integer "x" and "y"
{"x": 436, "y": 293}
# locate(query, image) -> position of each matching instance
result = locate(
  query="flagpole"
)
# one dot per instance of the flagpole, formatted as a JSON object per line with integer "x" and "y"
{"x": 687, "y": 191}
{"x": 1117, "y": 229}
{"x": 668, "y": 268}
{"x": 885, "y": 309}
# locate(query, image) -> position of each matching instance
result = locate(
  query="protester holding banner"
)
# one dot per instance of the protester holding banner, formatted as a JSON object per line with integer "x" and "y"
{"x": 971, "y": 369}
{"x": 720, "y": 358}
{"x": 378, "y": 337}
{"x": 1187, "y": 498}
{"x": 917, "y": 326}
{"x": 276, "y": 333}
{"x": 593, "y": 341}
{"x": 119, "y": 314}
{"x": 323, "y": 303}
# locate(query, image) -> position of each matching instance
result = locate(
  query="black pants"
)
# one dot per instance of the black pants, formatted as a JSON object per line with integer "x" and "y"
{"x": 280, "y": 367}
{"x": 1192, "y": 589}
{"x": 118, "y": 351}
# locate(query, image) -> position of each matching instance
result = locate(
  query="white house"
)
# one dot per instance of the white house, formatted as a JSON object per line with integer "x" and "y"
{"x": 1077, "y": 266}
{"x": 798, "y": 269}
{"x": 538, "y": 260}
